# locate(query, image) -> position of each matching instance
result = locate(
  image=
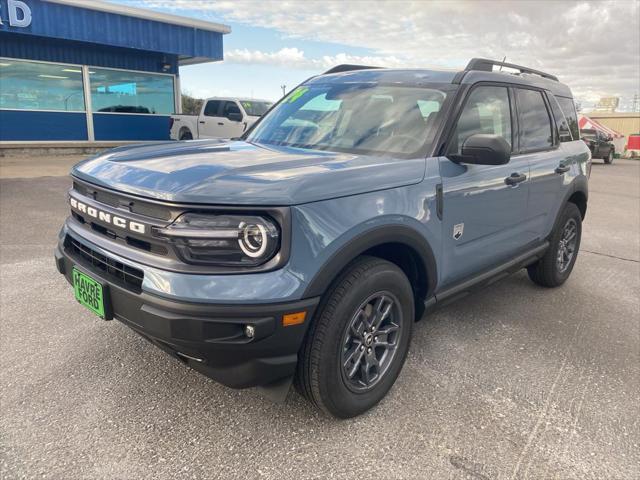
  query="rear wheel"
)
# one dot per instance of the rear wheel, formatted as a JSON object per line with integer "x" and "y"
{"x": 609, "y": 158}
{"x": 554, "y": 268}
{"x": 186, "y": 135}
{"x": 359, "y": 340}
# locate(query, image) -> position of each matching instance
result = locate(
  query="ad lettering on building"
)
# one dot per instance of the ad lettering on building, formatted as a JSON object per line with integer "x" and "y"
{"x": 15, "y": 13}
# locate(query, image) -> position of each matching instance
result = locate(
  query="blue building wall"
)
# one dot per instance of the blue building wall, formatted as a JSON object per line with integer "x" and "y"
{"x": 27, "y": 125}
{"x": 68, "y": 34}
{"x": 29, "y": 47}
{"x": 110, "y": 126}
{"x": 54, "y": 20}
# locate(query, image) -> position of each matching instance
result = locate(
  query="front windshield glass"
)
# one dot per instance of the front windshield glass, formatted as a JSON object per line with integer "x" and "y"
{"x": 355, "y": 118}
{"x": 254, "y": 108}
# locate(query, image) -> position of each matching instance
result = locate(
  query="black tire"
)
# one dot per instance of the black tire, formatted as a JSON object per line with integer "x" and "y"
{"x": 609, "y": 158}
{"x": 186, "y": 135}
{"x": 549, "y": 271}
{"x": 321, "y": 375}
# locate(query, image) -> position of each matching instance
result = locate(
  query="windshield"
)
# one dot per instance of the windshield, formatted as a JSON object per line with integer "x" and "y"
{"x": 590, "y": 134}
{"x": 354, "y": 118}
{"x": 254, "y": 108}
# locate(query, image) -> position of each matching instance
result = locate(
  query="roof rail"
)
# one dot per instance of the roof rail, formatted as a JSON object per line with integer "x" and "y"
{"x": 485, "y": 65}
{"x": 345, "y": 67}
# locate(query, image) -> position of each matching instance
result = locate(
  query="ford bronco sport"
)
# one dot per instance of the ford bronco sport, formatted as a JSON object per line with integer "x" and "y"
{"x": 304, "y": 251}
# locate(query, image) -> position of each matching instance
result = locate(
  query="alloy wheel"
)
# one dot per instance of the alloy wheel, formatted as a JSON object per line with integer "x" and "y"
{"x": 370, "y": 342}
{"x": 567, "y": 245}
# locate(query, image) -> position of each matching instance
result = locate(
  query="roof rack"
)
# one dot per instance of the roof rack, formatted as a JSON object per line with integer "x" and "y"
{"x": 347, "y": 68}
{"x": 485, "y": 65}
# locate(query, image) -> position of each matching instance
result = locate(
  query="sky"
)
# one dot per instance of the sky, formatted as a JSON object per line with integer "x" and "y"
{"x": 593, "y": 46}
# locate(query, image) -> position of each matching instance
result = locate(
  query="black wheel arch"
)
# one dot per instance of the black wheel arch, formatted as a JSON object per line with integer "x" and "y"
{"x": 397, "y": 243}
{"x": 579, "y": 194}
{"x": 184, "y": 130}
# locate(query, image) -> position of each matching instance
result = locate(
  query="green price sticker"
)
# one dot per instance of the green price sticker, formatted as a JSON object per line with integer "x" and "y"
{"x": 297, "y": 93}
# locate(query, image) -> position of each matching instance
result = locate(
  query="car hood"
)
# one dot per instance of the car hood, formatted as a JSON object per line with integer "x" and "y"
{"x": 239, "y": 173}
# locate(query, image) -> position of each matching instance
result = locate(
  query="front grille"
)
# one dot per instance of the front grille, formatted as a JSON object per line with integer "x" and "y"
{"x": 117, "y": 271}
{"x": 138, "y": 206}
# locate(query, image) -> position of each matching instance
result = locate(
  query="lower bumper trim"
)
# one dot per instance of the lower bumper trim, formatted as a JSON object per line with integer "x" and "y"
{"x": 210, "y": 338}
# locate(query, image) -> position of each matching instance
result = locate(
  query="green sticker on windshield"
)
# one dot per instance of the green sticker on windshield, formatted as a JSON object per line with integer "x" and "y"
{"x": 297, "y": 93}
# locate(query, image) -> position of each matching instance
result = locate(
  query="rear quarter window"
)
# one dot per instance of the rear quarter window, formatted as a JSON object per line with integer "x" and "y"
{"x": 564, "y": 132}
{"x": 569, "y": 110}
{"x": 535, "y": 123}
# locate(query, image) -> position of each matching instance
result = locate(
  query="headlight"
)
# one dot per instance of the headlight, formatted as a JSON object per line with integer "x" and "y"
{"x": 225, "y": 240}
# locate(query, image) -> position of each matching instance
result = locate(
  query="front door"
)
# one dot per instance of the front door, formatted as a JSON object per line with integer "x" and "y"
{"x": 232, "y": 127}
{"x": 483, "y": 213}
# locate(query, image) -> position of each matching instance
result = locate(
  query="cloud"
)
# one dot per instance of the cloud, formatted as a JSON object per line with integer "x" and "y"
{"x": 592, "y": 46}
{"x": 295, "y": 58}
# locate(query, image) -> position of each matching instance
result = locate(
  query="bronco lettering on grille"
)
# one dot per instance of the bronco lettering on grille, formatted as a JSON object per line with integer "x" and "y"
{"x": 106, "y": 217}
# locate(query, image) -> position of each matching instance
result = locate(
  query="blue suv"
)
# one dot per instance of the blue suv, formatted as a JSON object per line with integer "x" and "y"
{"x": 304, "y": 251}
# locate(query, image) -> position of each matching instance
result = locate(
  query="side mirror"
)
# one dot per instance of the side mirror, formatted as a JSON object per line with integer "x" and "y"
{"x": 234, "y": 116}
{"x": 484, "y": 149}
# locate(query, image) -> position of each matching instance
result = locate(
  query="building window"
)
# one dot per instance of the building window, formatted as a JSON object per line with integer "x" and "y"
{"x": 131, "y": 92}
{"x": 40, "y": 86}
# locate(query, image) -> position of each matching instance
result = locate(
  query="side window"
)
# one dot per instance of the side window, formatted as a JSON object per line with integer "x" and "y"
{"x": 212, "y": 108}
{"x": 535, "y": 124}
{"x": 486, "y": 110}
{"x": 564, "y": 132}
{"x": 230, "y": 107}
{"x": 569, "y": 110}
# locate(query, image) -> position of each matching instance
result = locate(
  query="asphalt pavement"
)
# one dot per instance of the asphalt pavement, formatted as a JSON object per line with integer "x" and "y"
{"x": 513, "y": 382}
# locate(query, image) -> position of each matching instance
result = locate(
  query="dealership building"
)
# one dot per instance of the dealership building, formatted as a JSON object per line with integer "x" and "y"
{"x": 91, "y": 72}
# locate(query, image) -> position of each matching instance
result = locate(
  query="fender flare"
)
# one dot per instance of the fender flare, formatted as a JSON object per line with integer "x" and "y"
{"x": 578, "y": 185}
{"x": 388, "y": 233}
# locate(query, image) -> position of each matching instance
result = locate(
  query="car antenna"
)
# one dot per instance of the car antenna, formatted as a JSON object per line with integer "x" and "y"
{"x": 504, "y": 59}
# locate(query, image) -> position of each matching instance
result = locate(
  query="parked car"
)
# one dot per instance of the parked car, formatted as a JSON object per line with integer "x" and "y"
{"x": 218, "y": 118}
{"x": 305, "y": 251}
{"x": 600, "y": 144}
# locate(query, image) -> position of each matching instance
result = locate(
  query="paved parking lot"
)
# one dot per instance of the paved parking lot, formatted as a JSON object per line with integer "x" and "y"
{"x": 513, "y": 382}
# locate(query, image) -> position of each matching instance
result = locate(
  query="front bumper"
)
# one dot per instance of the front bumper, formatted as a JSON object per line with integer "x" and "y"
{"x": 209, "y": 338}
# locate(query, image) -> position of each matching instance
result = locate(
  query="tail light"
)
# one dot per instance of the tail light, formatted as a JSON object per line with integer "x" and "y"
{"x": 170, "y": 123}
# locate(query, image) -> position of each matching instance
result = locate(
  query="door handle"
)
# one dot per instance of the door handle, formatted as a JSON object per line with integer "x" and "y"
{"x": 220, "y": 123}
{"x": 201, "y": 121}
{"x": 562, "y": 168}
{"x": 515, "y": 178}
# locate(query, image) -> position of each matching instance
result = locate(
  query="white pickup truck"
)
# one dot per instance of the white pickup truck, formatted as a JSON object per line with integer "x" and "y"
{"x": 219, "y": 118}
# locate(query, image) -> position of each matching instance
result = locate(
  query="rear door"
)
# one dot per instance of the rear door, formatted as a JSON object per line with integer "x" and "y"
{"x": 545, "y": 138}
{"x": 211, "y": 122}
{"x": 483, "y": 216}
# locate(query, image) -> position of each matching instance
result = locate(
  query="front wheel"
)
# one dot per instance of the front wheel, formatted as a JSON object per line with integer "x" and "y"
{"x": 357, "y": 344}
{"x": 609, "y": 158}
{"x": 554, "y": 268}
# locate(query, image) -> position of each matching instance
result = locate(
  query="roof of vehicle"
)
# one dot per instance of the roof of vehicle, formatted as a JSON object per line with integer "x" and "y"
{"x": 478, "y": 70}
{"x": 240, "y": 99}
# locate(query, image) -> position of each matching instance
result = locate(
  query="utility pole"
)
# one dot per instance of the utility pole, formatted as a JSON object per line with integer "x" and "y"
{"x": 284, "y": 90}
